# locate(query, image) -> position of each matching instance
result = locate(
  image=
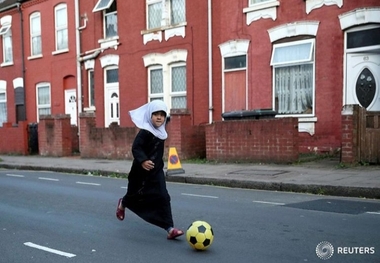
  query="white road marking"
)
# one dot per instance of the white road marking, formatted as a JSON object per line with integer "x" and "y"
{"x": 373, "y": 213}
{"x": 269, "y": 203}
{"x": 88, "y": 183}
{"x": 61, "y": 253}
{"x": 15, "y": 175}
{"x": 48, "y": 179}
{"x": 206, "y": 196}
{"x": 124, "y": 187}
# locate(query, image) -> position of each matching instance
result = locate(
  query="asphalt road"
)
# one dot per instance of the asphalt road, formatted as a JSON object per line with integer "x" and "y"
{"x": 53, "y": 217}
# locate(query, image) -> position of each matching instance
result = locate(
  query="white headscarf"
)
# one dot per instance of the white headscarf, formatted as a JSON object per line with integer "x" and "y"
{"x": 142, "y": 118}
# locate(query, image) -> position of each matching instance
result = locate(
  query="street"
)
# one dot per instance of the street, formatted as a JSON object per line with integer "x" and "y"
{"x": 55, "y": 217}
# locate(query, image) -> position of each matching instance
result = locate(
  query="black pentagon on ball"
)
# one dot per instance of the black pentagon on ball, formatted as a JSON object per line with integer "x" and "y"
{"x": 206, "y": 242}
{"x": 193, "y": 240}
{"x": 201, "y": 229}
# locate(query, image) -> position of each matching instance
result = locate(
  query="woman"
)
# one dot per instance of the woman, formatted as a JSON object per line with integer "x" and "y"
{"x": 147, "y": 195}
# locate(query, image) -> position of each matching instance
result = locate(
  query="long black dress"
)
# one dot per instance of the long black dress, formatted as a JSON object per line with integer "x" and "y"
{"x": 147, "y": 195}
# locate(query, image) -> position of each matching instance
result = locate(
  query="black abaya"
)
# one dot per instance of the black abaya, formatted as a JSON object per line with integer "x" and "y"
{"x": 147, "y": 195}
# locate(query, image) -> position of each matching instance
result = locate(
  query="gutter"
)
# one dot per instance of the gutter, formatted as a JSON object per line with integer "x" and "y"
{"x": 10, "y": 7}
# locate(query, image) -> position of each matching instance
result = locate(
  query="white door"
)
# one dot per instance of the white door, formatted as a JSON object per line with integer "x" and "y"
{"x": 363, "y": 80}
{"x": 112, "y": 108}
{"x": 71, "y": 105}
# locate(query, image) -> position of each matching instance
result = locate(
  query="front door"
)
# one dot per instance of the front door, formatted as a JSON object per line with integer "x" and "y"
{"x": 363, "y": 80}
{"x": 112, "y": 108}
{"x": 71, "y": 105}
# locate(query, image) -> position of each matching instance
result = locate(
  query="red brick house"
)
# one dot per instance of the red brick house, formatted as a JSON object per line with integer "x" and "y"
{"x": 301, "y": 58}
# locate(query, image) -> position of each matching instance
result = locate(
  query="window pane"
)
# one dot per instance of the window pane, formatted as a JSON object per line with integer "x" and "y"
{"x": 178, "y": 13}
{"x": 92, "y": 88}
{"x": 3, "y": 108}
{"x": 179, "y": 102}
{"x": 112, "y": 76}
{"x": 292, "y": 53}
{"x": 102, "y": 4}
{"x": 258, "y": 1}
{"x": 62, "y": 39}
{"x": 43, "y": 95}
{"x": 111, "y": 24}
{"x": 156, "y": 81}
{"x": 155, "y": 15}
{"x": 364, "y": 38}
{"x": 36, "y": 45}
{"x": 294, "y": 89}
{"x": 178, "y": 79}
{"x": 61, "y": 17}
{"x": 7, "y": 42}
{"x": 44, "y": 111}
{"x": 235, "y": 62}
{"x": 35, "y": 25}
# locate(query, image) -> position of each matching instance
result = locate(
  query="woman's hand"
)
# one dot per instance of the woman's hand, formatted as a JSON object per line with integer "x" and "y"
{"x": 148, "y": 165}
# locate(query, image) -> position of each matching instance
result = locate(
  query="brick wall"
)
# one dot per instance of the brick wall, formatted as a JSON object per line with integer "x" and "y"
{"x": 55, "y": 135}
{"x": 188, "y": 140}
{"x": 14, "y": 138}
{"x": 116, "y": 142}
{"x": 265, "y": 140}
{"x": 349, "y": 134}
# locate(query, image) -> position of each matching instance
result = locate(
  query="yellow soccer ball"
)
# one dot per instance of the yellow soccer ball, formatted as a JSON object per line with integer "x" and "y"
{"x": 200, "y": 235}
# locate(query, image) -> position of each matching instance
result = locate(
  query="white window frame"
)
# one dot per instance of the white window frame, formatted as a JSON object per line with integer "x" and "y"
{"x": 45, "y": 105}
{"x": 7, "y": 48}
{"x": 166, "y": 14}
{"x": 261, "y": 10}
{"x": 310, "y": 59}
{"x": 35, "y": 34}
{"x": 255, "y": 2}
{"x": 173, "y": 94}
{"x": 155, "y": 96}
{"x": 102, "y": 5}
{"x": 91, "y": 83}
{"x": 167, "y": 93}
{"x": 6, "y": 23}
{"x": 164, "y": 61}
{"x": 61, "y": 28}
{"x": 4, "y": 29}
{"x": 3, "y": 90}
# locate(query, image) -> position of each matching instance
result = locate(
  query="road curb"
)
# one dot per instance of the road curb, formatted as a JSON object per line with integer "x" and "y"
{"x": 361, "y": 192}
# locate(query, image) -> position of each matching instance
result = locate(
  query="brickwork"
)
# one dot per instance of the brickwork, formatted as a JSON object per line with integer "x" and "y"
{"x": 266, "y": 140}
{"x": 114, "y": 142}
{"x": 14, "y": 138}
{"x": 55, "y": 136}
{"x": 349, "y": 135}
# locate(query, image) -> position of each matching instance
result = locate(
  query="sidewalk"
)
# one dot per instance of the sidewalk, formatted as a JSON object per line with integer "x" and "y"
{"x": 318, "y": 177}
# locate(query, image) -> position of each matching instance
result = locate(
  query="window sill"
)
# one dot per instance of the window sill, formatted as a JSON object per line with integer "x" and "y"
{"x": 35, "y": 57}
{"x": 305, "y": 123}
{"x": 90, "y": 109}
{"x": 6, "y": 64}
{"x": 57, "y": 52}
{"x": 109, "y": 42}
{"x": 261, "y": 10}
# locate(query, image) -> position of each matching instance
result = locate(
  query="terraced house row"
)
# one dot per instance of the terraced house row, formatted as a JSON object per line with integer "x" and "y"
{"x": 249, "y": 80}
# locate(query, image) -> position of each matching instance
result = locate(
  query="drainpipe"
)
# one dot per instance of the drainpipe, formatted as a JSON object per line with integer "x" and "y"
{"x": 79, "y": 72}
{"x": 210, "y": 107}
{"x": 22, "y": 56}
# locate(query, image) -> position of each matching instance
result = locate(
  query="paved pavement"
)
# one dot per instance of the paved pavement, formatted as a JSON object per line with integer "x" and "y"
{"x": 323, "y": 176}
